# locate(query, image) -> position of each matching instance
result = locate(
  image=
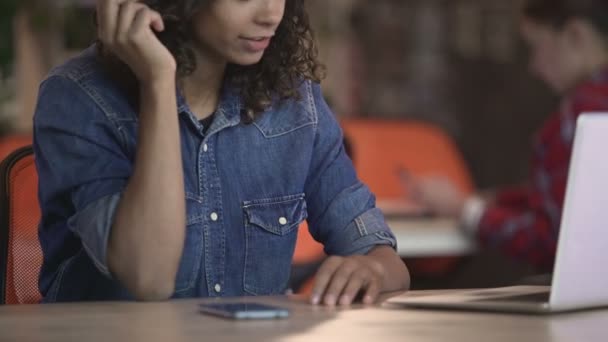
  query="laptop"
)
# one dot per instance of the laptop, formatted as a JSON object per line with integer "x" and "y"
{"x": 579, "y": 278}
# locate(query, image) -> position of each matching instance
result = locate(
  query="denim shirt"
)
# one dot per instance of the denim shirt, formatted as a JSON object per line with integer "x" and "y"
{"x": 248, "y": 187}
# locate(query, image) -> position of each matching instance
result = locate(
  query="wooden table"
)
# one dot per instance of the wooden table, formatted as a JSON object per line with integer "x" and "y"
{"x": 180, "y": 321}
{"x": 430, "y": 237}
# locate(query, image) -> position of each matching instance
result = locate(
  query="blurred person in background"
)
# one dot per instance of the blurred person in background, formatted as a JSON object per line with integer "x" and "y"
{"x": 569, "y": 52}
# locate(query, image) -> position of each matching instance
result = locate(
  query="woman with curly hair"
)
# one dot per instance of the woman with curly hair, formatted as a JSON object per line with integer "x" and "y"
{"x": 179, "y": 154}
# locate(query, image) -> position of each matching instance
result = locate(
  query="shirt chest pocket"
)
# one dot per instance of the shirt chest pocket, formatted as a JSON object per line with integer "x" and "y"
{"x": 271, "y": 227}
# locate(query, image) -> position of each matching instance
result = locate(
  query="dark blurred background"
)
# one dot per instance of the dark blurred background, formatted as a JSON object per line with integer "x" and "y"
{"x": 456, "y": 63}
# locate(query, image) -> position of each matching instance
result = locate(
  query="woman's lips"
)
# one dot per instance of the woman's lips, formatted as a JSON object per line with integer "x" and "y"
{"x": 256, "y": 44}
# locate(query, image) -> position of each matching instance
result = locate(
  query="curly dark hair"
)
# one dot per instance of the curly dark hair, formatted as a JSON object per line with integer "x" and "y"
{"x": 556, "y": 13}
{"x": 290, "y": 58}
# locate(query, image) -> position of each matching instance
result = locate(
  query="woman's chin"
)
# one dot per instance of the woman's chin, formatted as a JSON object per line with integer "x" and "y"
{"x": 247, "y": 59}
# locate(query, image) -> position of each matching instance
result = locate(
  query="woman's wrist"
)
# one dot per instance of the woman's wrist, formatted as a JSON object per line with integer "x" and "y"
{"x": 160, "y": 86}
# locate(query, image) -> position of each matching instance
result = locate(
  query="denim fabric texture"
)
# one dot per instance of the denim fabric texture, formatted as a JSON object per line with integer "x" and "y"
{"x": 248, "y": 187}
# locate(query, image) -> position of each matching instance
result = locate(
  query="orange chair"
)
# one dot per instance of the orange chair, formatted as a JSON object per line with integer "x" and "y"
{"x": 20, "y": 252}
{"x": 307, "y": 257}
{"x": 10, "y": 143}
{"x": 382, "y": 147}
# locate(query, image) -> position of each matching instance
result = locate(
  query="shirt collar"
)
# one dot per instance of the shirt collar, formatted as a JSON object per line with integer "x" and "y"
{"x": 229, "y": 104}
{"x": 228, "y": 112}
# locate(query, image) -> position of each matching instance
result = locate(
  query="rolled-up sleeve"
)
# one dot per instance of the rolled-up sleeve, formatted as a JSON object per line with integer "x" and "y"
{"x": 341, "y": 210}
{"x": 81, "y": 165}
{"x": 92, "y": 224}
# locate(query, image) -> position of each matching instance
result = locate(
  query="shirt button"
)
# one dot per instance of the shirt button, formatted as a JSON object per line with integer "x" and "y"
{"x": 214, "y": 217}
{"x": 283, "y": 221}
{"x": 218, "y": 288}
{"x": 205, "y": 148}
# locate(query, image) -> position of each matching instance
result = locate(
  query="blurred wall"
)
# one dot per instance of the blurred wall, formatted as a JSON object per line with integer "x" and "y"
{"x": 459, "y": 64}
{"x": 456, "y": 63}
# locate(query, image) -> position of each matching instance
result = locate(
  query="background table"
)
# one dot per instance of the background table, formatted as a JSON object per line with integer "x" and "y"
{"x": 430, "y": 237}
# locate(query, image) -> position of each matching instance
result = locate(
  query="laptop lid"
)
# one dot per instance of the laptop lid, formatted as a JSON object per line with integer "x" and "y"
{"x": 579, "y": 277}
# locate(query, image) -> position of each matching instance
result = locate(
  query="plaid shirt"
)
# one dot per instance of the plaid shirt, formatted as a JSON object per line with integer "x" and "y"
{"x": 524, "y": 221}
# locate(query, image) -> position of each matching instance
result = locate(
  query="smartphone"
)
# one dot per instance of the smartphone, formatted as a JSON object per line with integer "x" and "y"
{"x": 244, "y": 310}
